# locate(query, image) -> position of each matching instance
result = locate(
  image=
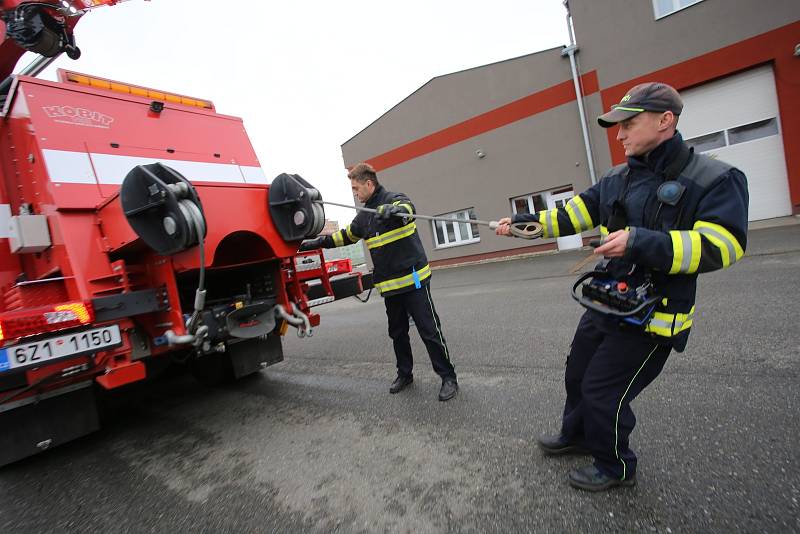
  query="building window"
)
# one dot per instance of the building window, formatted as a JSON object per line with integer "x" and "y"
{"x": 529, "y": 203}
{"x": 754, "y": 130}
{"x": 733, "y": 136}
{"x": 707, "y": 142}
{"x": 451, "y": 234}
{"x": 662, "y": 8}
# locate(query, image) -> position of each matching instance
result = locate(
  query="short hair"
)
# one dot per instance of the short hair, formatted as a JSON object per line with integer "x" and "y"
{"x": 363, "y": 172}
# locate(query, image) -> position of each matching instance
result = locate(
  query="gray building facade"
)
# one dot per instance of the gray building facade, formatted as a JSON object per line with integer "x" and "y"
{"x": 507, "y": 137}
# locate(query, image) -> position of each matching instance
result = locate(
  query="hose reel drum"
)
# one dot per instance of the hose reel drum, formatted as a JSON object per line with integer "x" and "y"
{"x": 294, "y": 207}
{"x": 163, "y": 208}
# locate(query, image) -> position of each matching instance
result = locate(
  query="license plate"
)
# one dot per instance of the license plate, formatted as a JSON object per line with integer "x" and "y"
{"x": 55, "y": 348}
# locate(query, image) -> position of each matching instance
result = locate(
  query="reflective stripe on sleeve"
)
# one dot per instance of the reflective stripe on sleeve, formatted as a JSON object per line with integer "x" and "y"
{"x": 686, "y": 249}
{"x": 354, "y": 238}
{"x": 406, "y": 207}
{"x": 579, "y": 215}
{"x": 730, "y": 249}
{"x": 553, "y": 214}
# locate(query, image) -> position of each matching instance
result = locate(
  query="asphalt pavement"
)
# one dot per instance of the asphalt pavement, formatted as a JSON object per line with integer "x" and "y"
{"x": 317, "y": 444}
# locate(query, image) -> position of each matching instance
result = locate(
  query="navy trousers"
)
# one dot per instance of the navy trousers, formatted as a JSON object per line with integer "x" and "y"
{"x": 606, "y": 370}
{"x": 417, "y": 304}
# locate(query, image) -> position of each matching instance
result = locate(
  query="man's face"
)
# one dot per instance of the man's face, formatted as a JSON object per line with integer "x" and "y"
{"x": 642, "y": 133}
{"x": 362, "y": 190}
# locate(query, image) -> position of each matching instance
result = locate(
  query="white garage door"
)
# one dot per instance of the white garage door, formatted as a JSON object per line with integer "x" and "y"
{"x": 736, "y": 119}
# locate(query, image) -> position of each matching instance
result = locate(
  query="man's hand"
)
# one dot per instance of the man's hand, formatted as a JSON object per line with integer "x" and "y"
{"x": 504, "y": 226}
{"x": 312, "y": 244}
{"x": 386, "y": 211}
{"x": 614, "y": 245}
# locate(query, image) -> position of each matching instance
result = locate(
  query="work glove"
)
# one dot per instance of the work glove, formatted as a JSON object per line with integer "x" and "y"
{"x": 386, "y": 211}
{"x": 312, "y": 244}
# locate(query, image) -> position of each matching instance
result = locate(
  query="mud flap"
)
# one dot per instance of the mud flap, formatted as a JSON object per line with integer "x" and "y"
{"x": 252, "y": 355}
{"x": 35, "y": 427}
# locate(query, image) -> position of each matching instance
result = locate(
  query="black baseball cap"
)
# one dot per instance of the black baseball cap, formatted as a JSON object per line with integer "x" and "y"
{"x": 651, "y": 96}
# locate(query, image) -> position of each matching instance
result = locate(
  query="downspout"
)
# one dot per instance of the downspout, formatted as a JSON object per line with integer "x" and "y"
{"x": 570, "y": 51}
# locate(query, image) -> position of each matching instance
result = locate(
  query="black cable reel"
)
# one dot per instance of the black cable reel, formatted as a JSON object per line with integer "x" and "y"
{"x": 163, "y": 208}
{"x": 294, "y": 207}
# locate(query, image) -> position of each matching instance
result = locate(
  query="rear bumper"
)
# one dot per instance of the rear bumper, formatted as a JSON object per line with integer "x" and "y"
{"x": 58, "y": 417}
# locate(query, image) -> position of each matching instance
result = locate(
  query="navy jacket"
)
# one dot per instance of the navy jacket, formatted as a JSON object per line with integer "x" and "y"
{"x": 397, "y": 254}
{"x": 705, "y": 231}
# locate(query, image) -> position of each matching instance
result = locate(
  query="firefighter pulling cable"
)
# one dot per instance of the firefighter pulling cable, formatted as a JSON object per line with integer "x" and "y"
{"x": 665, "y": 216}
{"x": 402, "y": 273}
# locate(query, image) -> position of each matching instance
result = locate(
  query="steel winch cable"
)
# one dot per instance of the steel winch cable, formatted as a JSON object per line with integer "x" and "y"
{"x": 523, "y": 230}
{"x": 196, "y": 224}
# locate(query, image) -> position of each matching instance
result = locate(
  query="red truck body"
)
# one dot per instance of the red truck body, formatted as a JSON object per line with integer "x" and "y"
{"x": 86, "y": 303}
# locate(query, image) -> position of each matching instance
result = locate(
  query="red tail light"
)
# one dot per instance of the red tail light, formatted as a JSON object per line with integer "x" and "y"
{"x": 21, "y": 323}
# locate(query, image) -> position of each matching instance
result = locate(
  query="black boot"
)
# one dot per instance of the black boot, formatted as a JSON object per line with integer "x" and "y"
{"x": 400, "y": 383}
{"x": 558, "y": 445}
{"x": 449, "y": 389}
{"x": 590, "y": 478}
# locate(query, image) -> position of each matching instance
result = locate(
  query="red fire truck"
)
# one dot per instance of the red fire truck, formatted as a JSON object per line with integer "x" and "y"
{"x": 136, "y": 228}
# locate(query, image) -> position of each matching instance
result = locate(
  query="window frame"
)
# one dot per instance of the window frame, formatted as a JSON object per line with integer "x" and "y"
{"x": 529, "y": 201}
{"x": 458, "y": 242}
{"x": 676, "y": 6}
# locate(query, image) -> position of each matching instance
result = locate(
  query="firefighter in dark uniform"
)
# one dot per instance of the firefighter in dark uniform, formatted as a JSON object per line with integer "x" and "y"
{"x": 665, "y": 216}
{"x": 401, "y": 274}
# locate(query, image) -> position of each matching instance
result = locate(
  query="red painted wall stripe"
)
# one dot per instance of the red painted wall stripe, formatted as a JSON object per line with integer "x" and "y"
{"x": 776, "y": 47}
{"x": 517, "y": 110}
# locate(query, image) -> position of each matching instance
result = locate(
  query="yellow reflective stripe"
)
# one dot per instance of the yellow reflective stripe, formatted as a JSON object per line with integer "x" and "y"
{"x": 603, "y": 231}
{"x": 683, "y": 321}
{"x": 542, "y": 216}
{"x": 677, "y": 251}
{"x": 578, "y": 214}
{"x": 338, "y": 241}
{"x": 584, "y": 211}
{"x": 549, "y": 221}
{"x": 407, "y": 207}
{"x": 554, "y": 222}
{"x": 573, "y": 217}
{"x": 696, "y": 250}
{"x": 669, "y": 324}
{"x": 403, "y": 281}
{"x": 353, "y": 237}
{"x": 623, "y": 108}
{"x": 686, "y": 249}
{"x": 729, "y": 247}
{"x": 392, "y": 236}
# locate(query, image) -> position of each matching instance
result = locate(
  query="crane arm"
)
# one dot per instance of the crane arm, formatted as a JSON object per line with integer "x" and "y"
{"x": 44, "y": 27}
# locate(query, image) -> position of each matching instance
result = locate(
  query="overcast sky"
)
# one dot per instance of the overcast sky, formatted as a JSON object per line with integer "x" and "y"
{"x": 306, "y": 76}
